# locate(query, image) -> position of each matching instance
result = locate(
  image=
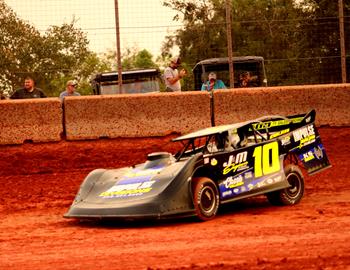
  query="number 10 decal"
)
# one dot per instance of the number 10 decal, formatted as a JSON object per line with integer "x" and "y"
{"x": 266, "y": 159}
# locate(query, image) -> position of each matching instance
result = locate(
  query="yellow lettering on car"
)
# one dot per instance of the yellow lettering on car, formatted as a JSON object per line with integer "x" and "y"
{"x": 125, "y": 192}
{"x": 233, "y": 167}
{"x": 307, "y": 140}
{"x": 277, "y": 134}
{"x": 276, "y": 123}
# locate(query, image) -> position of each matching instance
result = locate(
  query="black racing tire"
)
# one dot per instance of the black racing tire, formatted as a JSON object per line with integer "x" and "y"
{"x": 292, "y": 194}
{"x": 205, "y": 198}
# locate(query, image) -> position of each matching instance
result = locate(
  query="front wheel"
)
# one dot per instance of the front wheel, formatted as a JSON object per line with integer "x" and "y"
{"x": 294, "y": 192}
{"x": 205, "y": 198}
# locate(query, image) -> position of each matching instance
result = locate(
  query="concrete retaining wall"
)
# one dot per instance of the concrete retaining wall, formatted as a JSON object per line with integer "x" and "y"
{"x": 331, "y": 102}
{"x": 160, "y": 114}
{"x": 37, "y": 120}
{"x": 137, "y": 115}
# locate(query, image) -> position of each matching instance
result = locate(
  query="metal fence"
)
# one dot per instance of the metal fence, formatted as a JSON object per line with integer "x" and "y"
{"x": 144, "y": 25}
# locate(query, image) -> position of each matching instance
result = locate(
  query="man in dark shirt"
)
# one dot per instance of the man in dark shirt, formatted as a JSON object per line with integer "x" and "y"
{"x": 28, "y": 91}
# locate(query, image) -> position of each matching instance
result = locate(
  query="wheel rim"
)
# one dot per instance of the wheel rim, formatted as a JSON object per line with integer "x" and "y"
{"x": 295, "y": 185}
{"x": 207, "y": 199}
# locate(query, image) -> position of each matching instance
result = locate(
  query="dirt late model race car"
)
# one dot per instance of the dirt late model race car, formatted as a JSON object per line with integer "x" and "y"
{"x": 216, "y": 165}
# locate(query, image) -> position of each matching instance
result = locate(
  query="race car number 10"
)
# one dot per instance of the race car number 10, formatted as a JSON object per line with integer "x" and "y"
{"x": 266, "y": 159}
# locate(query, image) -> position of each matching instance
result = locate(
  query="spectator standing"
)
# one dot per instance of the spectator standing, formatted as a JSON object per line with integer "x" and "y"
{"x": 172, "y": 76}
{"x": 245, "y": 79}
{"x": 28, "y": 91}
{"x": 213, "y": 83}
{"x": 70, "y": 90}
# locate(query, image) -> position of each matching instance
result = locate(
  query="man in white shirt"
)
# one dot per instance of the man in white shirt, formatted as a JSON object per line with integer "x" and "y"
{"x": 172, "y": 76}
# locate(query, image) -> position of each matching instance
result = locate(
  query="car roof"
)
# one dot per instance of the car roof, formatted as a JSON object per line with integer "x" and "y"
{"x": 210, "y": 131}
{"x": 107, "y": 76}
{"x": 224, "y": 60}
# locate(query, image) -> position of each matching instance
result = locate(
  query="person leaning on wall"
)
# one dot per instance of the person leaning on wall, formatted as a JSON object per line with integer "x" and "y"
{"x": 70, "y": 89}
{"x": 28, "y": 91}
{"x": 213, "y": 83}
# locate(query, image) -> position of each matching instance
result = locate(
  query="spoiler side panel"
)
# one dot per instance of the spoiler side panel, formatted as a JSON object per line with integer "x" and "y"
{"x": 305, "y": 142}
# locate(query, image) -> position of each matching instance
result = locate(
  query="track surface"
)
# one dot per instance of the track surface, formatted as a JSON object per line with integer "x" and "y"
{"x": 39, "y": 181}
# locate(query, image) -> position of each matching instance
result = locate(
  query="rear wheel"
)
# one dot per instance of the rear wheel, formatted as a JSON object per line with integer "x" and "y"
{"x": 292, "y": 194}
{"x": 205, "y": 198}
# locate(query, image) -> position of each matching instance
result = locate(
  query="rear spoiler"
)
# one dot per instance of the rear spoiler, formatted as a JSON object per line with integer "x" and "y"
{"x": 309, "y": 117}
{"x": 274, "y": 122}
{"x": 280, "y": 124}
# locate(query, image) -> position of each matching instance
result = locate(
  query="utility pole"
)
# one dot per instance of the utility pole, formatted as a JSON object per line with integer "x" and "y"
{"x": 119, "y": 61}
{"x": 342, "y": 41}
{"x": 229, "y": 41}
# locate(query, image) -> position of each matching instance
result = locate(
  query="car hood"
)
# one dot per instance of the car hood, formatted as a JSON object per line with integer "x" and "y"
{"x": 132, "y": 184}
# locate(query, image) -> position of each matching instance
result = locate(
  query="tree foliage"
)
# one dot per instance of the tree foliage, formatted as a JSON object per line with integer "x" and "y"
{"x": 52, "y": 58}
{"x": 132, "y": 58}
{"x": 295, "y": 37}
{"x": 17, "y": 48}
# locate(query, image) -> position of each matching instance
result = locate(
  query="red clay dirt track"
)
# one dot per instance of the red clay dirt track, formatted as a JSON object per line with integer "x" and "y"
{"x": 39, "y": 181}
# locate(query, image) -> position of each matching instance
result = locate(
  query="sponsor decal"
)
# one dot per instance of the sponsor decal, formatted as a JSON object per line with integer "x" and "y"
{"x": 236, "y": 163}
{"x": 308, "y": 156}
{"x": 125, "y": 190}
{"x": 133, "y": 183}
{"x": 236, "y": 167}
{"x": 259, "y": 183}
{"x": 133, "y": 173}
{"x": 307, "y": 141}
{"x": 232, "y": 182}
{"x": 239, "y": 158}
{"x": 285, "y": 140}
{"x": 305, "y": 135}
{"x": 227, "y": 193}
{"x": 279, "y": 133}
{"x": 248, "y": 175}
{"x": 318, "y": 152}
{"x": 214, "y": 162}
{"x": 276, "y": 123}
{"x": 269, "y": 181}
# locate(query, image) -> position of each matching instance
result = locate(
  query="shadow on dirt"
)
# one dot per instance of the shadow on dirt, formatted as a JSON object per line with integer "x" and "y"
{"x": 129, "y": 223}
{"x": 251, "y": 206}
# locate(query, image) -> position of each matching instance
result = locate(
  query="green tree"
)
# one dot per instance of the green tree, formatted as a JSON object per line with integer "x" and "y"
{"x": 92, "y": 64}
{"x": 132, "y": 58}
{"x": 52, "y": 58}
{"x": 324, "y": 37}
{"x": 143, "y": 59}
{"x": 19, "y": 44}
{"x": 267, "y": 28}
{"x": 65, "y": 52}
{"x": 204, "y": 33}
{"x": 289, "y": 34}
